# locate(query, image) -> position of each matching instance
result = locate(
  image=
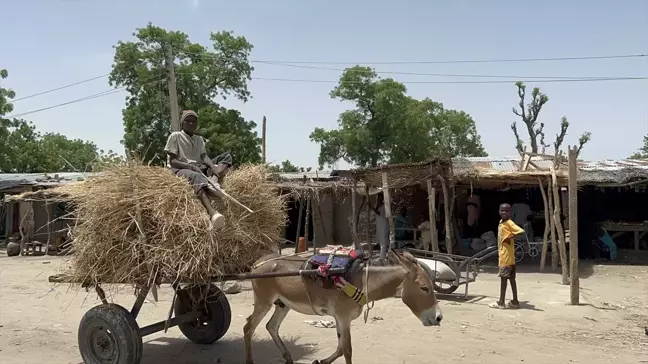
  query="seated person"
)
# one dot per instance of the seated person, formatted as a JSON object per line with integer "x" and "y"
{"x": 188, "y": 158}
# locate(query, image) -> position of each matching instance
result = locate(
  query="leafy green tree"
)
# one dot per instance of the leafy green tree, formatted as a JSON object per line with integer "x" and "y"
{"x": 24, "y": 150}
{"x": 386, "y": 125}
{"x": 285, "y": 167}
{"x": 642, "y": 153}
{"x": 202, "y": 75}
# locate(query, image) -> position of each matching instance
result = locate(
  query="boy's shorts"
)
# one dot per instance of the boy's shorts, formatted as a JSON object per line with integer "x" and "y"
{"x": 507, "y": 272}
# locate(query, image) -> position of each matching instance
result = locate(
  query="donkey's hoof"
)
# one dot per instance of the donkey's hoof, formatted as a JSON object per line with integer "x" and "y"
{"x": 316, "y": 362}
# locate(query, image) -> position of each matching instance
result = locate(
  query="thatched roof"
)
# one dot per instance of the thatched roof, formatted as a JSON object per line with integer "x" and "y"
{"x": 401, "y": 175}
{"x": 613, "y": 172}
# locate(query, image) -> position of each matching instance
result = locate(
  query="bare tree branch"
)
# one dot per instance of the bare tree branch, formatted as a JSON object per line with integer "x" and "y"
{"x": 519, "y": 144}
{"x": 530, "y": 115}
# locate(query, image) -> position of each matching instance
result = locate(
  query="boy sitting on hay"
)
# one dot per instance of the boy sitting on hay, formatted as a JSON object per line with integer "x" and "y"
{"x": 188, "y": 158}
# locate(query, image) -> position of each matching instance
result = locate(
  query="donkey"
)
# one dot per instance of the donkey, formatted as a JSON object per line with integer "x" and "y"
{"x": 305, "y": 296}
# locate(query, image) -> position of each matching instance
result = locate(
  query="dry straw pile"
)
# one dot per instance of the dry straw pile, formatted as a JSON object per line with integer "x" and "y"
{"x": 135, "y": 222}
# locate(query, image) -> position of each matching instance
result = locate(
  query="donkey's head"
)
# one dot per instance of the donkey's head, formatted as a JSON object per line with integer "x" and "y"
{"x": 418, "y": 290}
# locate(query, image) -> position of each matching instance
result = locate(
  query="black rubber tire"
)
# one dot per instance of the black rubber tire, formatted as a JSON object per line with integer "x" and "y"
{"x": 442, "y": 290}
{"x": 108, "y": 334}
{"x": 215, "y": 307}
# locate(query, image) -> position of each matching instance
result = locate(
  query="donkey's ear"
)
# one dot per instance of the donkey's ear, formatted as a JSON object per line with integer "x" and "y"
{"x": 392, "y": 256}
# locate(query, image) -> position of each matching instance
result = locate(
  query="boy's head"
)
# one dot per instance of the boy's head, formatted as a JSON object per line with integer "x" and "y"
{"x": 505, "y": 211}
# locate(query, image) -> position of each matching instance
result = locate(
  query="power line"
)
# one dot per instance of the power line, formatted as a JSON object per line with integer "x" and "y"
{"x": 60, "y": 88}
{"x": 467, "y": 82}
{"x": 502, "y": 60}
{"x": 439, "y": 74}
{"x": 86, "y": 98}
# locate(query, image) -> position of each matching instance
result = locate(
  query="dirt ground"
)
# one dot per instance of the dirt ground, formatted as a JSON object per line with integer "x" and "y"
{"x": 38, "y": 323}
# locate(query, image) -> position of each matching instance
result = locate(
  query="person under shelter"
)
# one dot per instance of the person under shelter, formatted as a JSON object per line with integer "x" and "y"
{"x": 187, "y": 157}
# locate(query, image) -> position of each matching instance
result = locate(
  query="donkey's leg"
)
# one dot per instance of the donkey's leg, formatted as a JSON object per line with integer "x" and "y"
{"x": 261, "y": 309}
{"x": 343, "y": 327}
{"x": 280, "y": 312}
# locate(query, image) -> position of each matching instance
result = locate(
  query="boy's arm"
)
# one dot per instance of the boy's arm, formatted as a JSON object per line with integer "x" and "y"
{"x": 513, "y": 229}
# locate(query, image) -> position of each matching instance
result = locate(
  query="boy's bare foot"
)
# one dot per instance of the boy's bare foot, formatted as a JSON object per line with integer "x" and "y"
{"x": 217, "y": 220}
{"x": 497, "y": 305}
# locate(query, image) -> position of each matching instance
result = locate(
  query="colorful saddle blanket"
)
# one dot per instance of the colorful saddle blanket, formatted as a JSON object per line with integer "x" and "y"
{"x": 333, "y": 257}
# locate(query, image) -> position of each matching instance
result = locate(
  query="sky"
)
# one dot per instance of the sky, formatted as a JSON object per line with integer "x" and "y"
{"x": 45, "y": 44}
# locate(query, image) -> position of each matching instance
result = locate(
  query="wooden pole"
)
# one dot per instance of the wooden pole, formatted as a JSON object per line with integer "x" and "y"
{"x": 307, "y": 225}
{"x": 263, "y": 140}
{"x": 574, "y": 281}
{"x": 545, "y": 236}
{"x": 354, "y": 211}
{"x": 432, "y": 215}
{"x": 559, "y": 229}
{"x": 388, "y": 212}
{"x": 552, "y": 228}
{"x": 367, "y": 228}
{"x": 49, "y": 226}
{"x": 173, "y": 94}
{"x": 446, "y": 211}
{"x": 299, "y": 224}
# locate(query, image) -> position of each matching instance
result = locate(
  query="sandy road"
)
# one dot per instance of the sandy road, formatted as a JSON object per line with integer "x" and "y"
{"x": 39, "y": 324}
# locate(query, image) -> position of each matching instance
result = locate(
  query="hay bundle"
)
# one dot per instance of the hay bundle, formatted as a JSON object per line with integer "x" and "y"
{"x": 134, "y": 222}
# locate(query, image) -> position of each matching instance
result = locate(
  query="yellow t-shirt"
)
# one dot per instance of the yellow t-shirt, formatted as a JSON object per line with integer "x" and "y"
{"x": 506, "y": 231}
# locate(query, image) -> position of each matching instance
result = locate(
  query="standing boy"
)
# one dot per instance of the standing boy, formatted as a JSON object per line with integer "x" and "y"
{"x": 506, "y": 232}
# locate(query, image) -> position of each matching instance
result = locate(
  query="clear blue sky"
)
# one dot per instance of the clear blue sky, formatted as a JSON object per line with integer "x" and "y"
{"x": 49, "y": 43}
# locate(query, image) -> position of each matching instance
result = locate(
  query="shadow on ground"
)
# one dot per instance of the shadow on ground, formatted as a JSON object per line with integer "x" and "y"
{"x": 167, "y": 350}
{"x": 585, "y": 267}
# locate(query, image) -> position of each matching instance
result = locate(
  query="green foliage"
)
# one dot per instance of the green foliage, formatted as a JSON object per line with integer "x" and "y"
{"x": 642, "y": 153}
{"x": 201, "y": 74}
{"x": 287, "y": 167}
{"x": 24, "y": 150}
{"x": 386, "y": 125}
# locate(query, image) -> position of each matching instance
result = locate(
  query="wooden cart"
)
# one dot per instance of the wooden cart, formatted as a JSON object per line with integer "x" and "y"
{"x": 109, "y": 333}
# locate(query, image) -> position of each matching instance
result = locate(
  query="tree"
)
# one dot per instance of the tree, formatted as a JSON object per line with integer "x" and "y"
{"x": 386, "y": 125}
{"x": 643, "y": 151}
{"x": 24, "y": 150}
{"x": 287, "y": 167}
{"x": 534, "y": 129}
{"x": 202, "y": 75}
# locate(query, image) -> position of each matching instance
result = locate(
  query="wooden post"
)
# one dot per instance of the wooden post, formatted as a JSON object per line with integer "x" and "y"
{"x": 388, "y": 212}
{"x": 263, "y": 140}
{"x": 307, "y": 225}
{"x": 432, "y": 215}
{"x": 367, "y": 231}
{"x": 552, "y": 227}
{"x": 354, "y": 211}
{"x": 574, "y": 282}
{"x": 173, "y": 95}
{"x": 559, "y": 229}
{"x": 49, "y": 226}
{"x": 545, "y": 236}
{"x": 446, "y": 211}
{"x": 299, "y": 224}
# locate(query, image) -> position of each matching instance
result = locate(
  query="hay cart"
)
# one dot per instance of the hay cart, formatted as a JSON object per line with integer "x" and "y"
{"x": 109, "y": 333}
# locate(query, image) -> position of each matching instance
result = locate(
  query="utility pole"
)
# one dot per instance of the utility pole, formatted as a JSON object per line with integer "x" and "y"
{"x": 173, "y": 95}
{"x": 263, "y": 140}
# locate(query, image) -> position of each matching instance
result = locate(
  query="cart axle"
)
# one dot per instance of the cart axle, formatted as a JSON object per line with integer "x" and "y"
{"x": 175, "y": 321}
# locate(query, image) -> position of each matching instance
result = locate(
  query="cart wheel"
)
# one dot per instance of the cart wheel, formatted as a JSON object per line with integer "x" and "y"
{"x": 445, "y": 289}
{"x": 108, "y": 334}
{"x": 519, "y": 253}
{"x": 215, "y": 307}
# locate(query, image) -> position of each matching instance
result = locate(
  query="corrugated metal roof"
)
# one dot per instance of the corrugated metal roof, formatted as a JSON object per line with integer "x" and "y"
{"x": 314, "y": 175}
{"x": 500, "y": 164}
{"x": 10, "y": 180}
{"x": 613, "y": 165}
